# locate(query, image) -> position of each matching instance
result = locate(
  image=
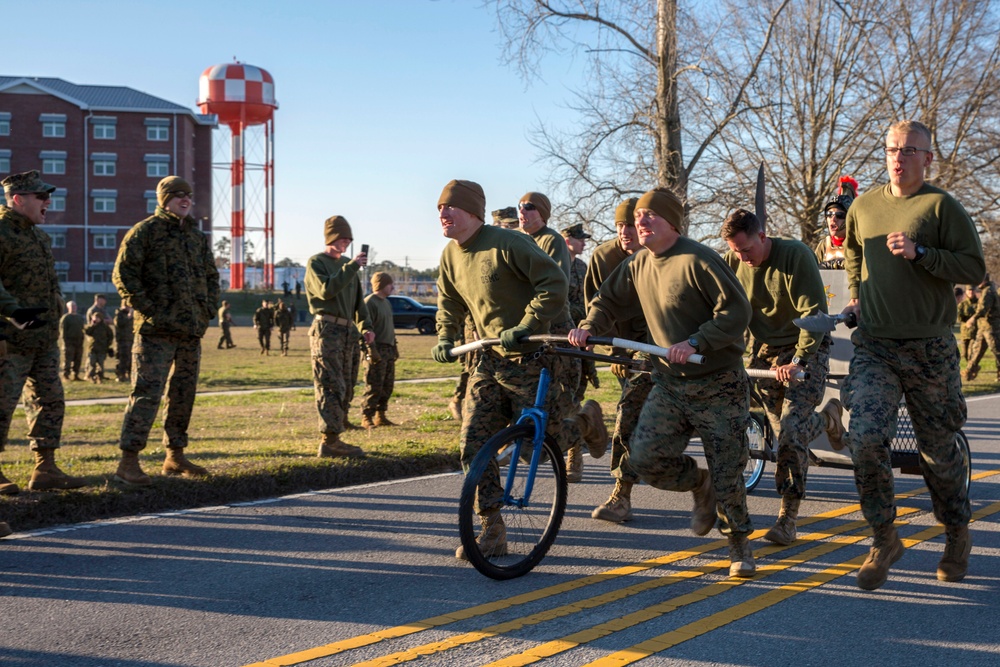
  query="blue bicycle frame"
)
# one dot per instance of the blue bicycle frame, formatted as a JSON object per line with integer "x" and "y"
{"x": 540, "y": 419}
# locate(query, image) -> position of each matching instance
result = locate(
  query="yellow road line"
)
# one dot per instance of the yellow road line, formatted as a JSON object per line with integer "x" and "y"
{"x": 713, "y": 622}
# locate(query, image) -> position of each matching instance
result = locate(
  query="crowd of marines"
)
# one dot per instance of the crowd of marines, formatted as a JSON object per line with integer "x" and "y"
{"x": 518, "y": 277}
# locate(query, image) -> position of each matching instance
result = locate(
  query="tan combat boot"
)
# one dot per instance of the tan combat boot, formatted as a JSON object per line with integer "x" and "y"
{"x": 455, "y": 408}
{"x": 382, "y": 420}
{"x": 7, "y": 487}
{"x": 703, "y": 516}
{"x": 741, "y": 562}
{"x": 177, "y": 464}
{"x": 886, "y": 550}
{"x": 5, "y": 529}
{"x": 366, "y": 422}
{"x": 833, "y": 413}
{"x": 783, "y": 531}
{"x": 595, "y": 433}
{"x": 47, "y": 476}
{"x": 129, "y": 471}
{"x": 574, "y": 464}
{"x": 332, "y": 446}
{"x": 618, "y": 507}
{"x": 492, "y": 537}
{"x": 955, "y": 561}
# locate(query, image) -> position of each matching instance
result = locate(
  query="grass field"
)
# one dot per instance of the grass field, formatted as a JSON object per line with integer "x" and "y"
{"x": 257, "y": 444}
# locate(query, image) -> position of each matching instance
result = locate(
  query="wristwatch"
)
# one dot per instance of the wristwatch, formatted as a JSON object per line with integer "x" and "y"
{"x": 799, "y": 361}
{"x": 693, "y": 342}
{"x": 918, "y": 253}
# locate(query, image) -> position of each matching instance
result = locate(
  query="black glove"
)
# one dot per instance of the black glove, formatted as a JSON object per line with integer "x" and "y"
{"x": 442, "y": 351}
{"x": 509, "y": 337}
{"x": 27, "y": 318}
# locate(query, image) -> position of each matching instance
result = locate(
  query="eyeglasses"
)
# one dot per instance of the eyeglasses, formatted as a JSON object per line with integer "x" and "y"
{"x": 526, "y": 206}
{"x": 180, "y": 194}
{"x": 908, "y": 151}
{"x": 42, "y": 196}
{"x": 835, "y": 214}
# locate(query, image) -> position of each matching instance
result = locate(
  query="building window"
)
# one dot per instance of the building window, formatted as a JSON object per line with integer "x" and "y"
{"x": 106, "y": 240}
{"x": 4, "y": 165}
{"x": 104, "y": 168}
{"x": 151, "y": 206}
{"x": 54, "y": 165}
{"x": 105, "y": 205}
{"x": 58, "y": 238}
{"x": 104, "y": 128}
{"x": 54, "y": 128}
{"x": 158, "y": 133}
{"x": 97, "y": 276}
{"x": 62, "y": 276}
{"x": 157, "y": 169}
{"x": 57, "y": 203}
{"x": 4, "y": 123}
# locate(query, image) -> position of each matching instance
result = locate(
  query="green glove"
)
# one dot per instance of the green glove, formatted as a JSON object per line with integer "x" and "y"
{"x": 442, "y": 351}
{"x": 509, "y": 337}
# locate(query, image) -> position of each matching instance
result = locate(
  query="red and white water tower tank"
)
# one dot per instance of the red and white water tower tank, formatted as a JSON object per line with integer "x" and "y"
{"x": 242, "y": 96}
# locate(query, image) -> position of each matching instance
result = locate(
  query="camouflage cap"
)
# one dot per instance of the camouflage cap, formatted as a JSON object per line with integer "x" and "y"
{"x": 575, "y": 232}
{"x": 505, "y": 217}
{"x": 26, "y": 183}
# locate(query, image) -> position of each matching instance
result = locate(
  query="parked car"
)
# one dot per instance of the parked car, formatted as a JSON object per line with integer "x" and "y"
{"x": 408, "y": 313}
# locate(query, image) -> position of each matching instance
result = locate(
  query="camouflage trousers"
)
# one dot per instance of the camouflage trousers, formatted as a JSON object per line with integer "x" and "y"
{"x": 330, "y": 347}
{"x": 95, "y": 363}
{"x": 567, "y": 374}
{"x": 264, "y": 338}
{"x": 987, "y": 335}
{"x": 72, "y": 357}
{"x": 926, "y": 372}
{"x": 123, "y": 369}
{"x": 498, "y": 390}
{"x": 791, "y": 410}
{"x": 635, "y": 390}
{"x": 284, "y": 337}
{"x": 226, "y": 335}
{"x": 355, "y": 369}
{"x": 380, "y": 379}
{"x": 714, "y": 407}
{"x": 33, "y": 376}
{"x": 161, "y": 364}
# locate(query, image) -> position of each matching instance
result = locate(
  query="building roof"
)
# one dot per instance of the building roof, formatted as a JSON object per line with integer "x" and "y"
{"x": 100, "y": 98}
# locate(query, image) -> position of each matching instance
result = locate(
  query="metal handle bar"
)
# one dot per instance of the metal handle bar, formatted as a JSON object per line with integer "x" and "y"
{"x": 623, "y": 343}
{"x": 770, "y": 374}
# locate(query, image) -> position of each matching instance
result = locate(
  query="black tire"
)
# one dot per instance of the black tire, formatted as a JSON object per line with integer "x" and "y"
{"x": 963, "y": 446}
{"x": 426, "y": 326}
{"x": 530, "y": 529}
{"x": 756, "y": 435}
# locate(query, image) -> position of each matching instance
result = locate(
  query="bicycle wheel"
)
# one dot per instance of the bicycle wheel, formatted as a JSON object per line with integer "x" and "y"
{"x": 531, "y": 524}
{"x": 963, "y": 446}
{"x": 754, "y": 469}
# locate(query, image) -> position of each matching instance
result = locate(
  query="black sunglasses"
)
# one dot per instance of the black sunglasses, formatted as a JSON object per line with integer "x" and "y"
{"x": 43, "y": 196}
{"x": 836, "y": 214}
{"x": 526, "y": 206}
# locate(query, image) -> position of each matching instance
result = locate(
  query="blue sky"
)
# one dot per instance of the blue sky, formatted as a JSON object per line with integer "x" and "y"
{"x": 382, "y": 102}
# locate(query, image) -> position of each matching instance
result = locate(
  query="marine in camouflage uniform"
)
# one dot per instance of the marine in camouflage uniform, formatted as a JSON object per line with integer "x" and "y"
{"x": 907, "y": 244}
{"x": 986, "y": 324}
{"x": 692, "y": 302}
{"x": 967, "y": 324}
{"x": 284, "y": 320}
{"x": 635, "y": 387}
{"x": 783, "y": 282}
{"x": 581, "y": 424}
{"x": 576, "y": 240}
{"x": 336, "y": 301}
{"x": 380, "y": 374}
{"x": 469, "y": 362}
{"x": 31, "y": 359}
{"x": 166, "y": 273}
{"x": 71, "y": 334}
{"x": 511, "y": 289}
{"x": 263, "y": 320}
{"x": 100, "y": 337}
{"x": 123, "y": 342}
{"x": 225, "y": 327}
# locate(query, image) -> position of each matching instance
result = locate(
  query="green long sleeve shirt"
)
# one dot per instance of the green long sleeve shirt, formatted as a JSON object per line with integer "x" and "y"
{"x": 786, "y": 285}
{"x": 603, "y": 261}
{"x": 380, "y": 314}
{"x": 554, "y": 245}
{"x": 333, "y": 288}
{"x": 901, "y": 299}
{"x": 502, "y": 279}
{"x": 688, "y": 291}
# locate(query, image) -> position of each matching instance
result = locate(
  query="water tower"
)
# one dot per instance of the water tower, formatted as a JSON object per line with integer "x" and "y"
{"x": 242, "y": 96}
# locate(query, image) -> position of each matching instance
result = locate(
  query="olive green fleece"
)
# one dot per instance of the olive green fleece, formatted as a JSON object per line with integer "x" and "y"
{"x": 786, "y": 285}
{"x": 380, "y": 314}
{"x": 553, "y": 244}
{"x": 688, "y": 291}
{"x": 901, "y": 299}
{"x": 501, "y": 278}
{"x": 333, "y": 288}
{"x": 603, "y": 261}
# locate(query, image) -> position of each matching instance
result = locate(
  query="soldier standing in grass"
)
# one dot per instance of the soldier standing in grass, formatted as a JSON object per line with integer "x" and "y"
{"x": 581, "y": 424}
{"x": 71, "y": 334}
{"x": 225, "y": 327}
{"x": 166, "y": 273}
{"x": 511, "y": 289}
{"x": 28, "y": 282}
{"x": 123, "y": 343}
{"x": 908, "y": 243}
{"x": 985, "y": 323}
{"x": 380, "y": 375}
{"x": 783, "y": 282}
{"x": 692, "y": 302}
{"x": 284, "y": 320}
{"x": 263, "y": 320}
{"x": 100, "y": 305}
{"x": 100, "y": 336}
{"x": 336, "y": 298}
{"x": 967, "y": 328}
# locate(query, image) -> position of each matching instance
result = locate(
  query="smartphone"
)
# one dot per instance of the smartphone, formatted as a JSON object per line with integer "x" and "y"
{"x": 364, "y": 248}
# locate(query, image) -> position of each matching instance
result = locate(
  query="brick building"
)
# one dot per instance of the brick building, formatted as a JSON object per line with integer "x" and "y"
{"x": 105, "y": 148}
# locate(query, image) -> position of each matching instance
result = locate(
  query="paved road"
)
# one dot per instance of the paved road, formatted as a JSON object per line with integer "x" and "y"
{"x": 366, "y": 575}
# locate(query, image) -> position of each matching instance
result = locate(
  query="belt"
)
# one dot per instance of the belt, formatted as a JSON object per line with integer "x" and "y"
{"x": 334, "y": 320}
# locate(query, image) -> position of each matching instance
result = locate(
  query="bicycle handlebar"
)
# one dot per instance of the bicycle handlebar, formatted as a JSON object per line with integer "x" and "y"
{"x": 632, "y": 345}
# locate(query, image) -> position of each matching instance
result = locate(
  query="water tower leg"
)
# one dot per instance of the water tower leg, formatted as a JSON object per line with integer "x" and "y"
{"x": 236, "y": 263}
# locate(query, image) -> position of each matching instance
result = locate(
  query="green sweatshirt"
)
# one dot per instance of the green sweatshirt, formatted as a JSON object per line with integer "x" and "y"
{"x": 380, "y": 314}
{"x": 603, "y": 261}
{"x": 688, "y": 291}
{"x": 786, "y": 285}
{"x": 501, "y": 278}
{"x": 902, "y": 299}
{"x": 554, "y": 245}
{"x": 333, "y": 288}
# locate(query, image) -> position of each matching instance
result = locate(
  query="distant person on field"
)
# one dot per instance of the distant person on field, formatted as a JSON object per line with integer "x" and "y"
{"x": 166, "y": 273}
{"x": 123, "y": 343}
{"x": 100, "y": 305}
{"x": 284, "y": 321}
{"x": 380, "y": 374}
{"x": 967, "y": 320}
{"x": 225, "y": 327}
{"x": 100, "y": 338}
{"x": 985, "y": 321}
{"x": 71, "y": 334}
{"x": 263, "y": 320}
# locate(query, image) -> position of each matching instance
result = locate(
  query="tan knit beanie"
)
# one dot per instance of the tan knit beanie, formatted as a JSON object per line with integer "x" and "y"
{"x": 541, "y": 202}
{"x": 166, "y": 188}
{"x": 336, "y": 227}
{"x": 466, "y": 195}
{"x": 380, "y": 279}
{"x": 665, "y": 204}
{"x": 625, "y": 212}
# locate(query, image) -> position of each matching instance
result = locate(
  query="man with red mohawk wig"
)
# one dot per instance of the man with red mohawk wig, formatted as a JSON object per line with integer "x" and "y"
{"x": 830, "y": 251}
